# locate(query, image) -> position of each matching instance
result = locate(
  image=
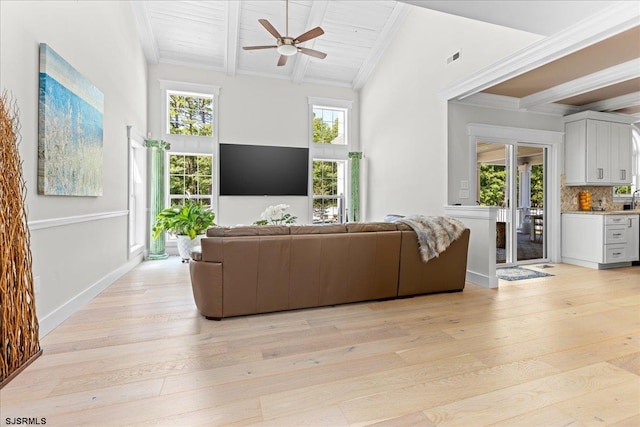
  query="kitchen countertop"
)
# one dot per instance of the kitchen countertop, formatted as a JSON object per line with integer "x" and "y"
{"x": 634, "y": 212}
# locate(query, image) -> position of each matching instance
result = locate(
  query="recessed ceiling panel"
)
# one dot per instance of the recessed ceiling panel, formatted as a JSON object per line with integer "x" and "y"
{"x": 597, "y": 57}
{"x": 601, "y": 94}
{"x": 629, "y": 110}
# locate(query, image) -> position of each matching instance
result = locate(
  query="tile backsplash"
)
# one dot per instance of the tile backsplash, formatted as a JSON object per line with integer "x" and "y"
{"x": 569, "y": 196}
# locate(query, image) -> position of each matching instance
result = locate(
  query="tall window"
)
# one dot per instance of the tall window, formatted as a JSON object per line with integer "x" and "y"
{"x": 190, "y": 114}
{"x": 329, "y": 125}
{"x": 190, "y": 176}
{"x": 328, "y": 191}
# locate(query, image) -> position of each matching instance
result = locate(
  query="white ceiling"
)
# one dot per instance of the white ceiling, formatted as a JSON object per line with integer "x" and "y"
{"x": 211, "y": 34}
{"x": 544, "y": 17}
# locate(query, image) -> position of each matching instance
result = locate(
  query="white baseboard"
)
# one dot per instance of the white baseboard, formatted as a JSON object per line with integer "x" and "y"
{"x": 51, "y": 321}
{"x": 482, "y": 279}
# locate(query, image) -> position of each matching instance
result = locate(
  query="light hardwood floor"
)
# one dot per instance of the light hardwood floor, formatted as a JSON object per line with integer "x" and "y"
{"x": 553, "y": 351}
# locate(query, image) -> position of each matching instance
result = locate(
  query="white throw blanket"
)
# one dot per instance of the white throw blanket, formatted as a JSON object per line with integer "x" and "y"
{"x": 435, "y": 233}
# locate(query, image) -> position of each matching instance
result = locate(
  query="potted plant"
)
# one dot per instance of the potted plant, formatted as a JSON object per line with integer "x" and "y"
{"x": 187, "y": 222}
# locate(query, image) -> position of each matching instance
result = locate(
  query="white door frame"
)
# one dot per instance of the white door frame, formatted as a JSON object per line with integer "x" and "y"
{"x": 479, "y": 132}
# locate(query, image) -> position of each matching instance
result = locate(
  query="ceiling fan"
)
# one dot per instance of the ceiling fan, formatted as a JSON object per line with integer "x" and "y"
{"x": 288, "y": 46}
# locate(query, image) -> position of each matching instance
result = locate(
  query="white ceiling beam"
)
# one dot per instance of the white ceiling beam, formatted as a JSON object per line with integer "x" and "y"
{"x": 145, "y": 32}
{"x": 233, "y": 28}
{"x": 620, "y": 17}
{"x": 392, "y": 25}
{"x": 316, "y": 16}
{"x": 613, "y": 104}
{"x": 616, "y": 74}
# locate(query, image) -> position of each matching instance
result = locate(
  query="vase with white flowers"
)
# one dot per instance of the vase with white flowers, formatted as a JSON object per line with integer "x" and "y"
{"x": 277, "y": 215}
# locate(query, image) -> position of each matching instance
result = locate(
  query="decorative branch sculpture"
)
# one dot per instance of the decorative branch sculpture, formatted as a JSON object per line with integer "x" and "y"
{"x": 19, "y": 341}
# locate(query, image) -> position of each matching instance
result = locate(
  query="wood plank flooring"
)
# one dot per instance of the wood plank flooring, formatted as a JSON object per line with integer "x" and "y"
{"x": 562, "y": 350}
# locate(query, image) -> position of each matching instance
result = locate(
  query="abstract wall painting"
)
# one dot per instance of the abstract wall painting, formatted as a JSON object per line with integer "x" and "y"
{"x": 69, "y": 130}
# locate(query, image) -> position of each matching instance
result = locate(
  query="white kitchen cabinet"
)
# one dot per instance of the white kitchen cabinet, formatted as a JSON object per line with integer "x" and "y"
{"x": 600, "y": 240}
{"x": 621, "y": 154}
{"x": 597, "y": 149}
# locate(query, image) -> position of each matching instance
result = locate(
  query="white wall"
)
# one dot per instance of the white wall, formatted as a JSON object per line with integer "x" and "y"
{"x": 460, "y": 115}
{"x": 252, "y": 110}
{"x": 404, "y": 121}
{"x": 99, "y": 39}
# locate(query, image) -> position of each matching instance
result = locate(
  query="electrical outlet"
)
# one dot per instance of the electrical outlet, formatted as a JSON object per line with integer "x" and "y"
{"x": 36, "y": 284}
{"x": 463, "y": 194}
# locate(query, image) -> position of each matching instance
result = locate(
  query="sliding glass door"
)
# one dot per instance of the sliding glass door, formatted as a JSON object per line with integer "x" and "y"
{"x": 512, "y": 177}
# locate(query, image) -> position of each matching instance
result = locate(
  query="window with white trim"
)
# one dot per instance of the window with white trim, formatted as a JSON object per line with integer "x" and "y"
{"x": 190, "y": 114}
{"x": 190, "y": 176}
{"x": 329, "y": 143}
{"x": 328, "y": 191}
{"x": 329, "y": 125}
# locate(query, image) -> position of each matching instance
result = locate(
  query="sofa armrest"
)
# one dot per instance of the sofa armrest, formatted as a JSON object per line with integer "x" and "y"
{"x": 196, "y": 253}
{"x": 206, "y": 283}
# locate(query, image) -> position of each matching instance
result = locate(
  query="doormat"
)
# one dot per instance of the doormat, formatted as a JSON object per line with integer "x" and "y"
{"x": 519, "y": 273}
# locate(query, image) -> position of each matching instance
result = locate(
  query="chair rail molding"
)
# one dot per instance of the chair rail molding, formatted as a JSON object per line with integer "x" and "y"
{"x": 69, "y": 220}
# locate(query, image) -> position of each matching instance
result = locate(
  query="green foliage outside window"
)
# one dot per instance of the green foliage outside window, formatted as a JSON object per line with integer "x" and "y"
{"x": 622, "y": 190}
{"x": 190, "y": 115}
{"x": 537, "y": 186}
{"x": 190, "y": 175}
{"x": 325, "y": 183}
{"x": 492, "y": 185}
{"x": 326, "y": 126}
{"x": 326, "y": 130}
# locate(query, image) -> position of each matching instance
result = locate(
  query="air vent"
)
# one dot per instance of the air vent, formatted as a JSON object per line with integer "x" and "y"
{"x": 453, "y": 57}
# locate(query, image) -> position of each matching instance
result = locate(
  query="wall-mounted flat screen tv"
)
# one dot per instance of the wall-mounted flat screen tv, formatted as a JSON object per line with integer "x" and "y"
{"x": 260, "y": 170}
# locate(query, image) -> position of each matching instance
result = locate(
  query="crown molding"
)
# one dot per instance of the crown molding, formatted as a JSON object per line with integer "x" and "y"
{"x": 620, "y": 17}
{"x": 393, "y": 24}
{"x": 610, "y": 76}
{"x": 510, "y": 103}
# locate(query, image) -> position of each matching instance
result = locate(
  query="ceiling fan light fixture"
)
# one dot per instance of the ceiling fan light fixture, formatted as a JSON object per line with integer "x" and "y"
{"x": 287, "y": 49}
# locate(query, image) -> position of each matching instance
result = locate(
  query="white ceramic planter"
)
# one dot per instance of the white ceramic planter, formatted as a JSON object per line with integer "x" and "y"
{"x": 185, "y": 245}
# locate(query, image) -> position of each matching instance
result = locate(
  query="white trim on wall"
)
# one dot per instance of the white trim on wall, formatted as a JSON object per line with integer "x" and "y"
{"x": 59, "y": 222}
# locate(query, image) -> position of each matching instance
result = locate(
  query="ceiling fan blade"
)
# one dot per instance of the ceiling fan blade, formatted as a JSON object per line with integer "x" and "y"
{"x": 267, "y": 25}
{"x": 311, "y": 34}
{"x": 282, "y": 60}
{"x": 311, "y": 52}
{"x": 258, "y": 47}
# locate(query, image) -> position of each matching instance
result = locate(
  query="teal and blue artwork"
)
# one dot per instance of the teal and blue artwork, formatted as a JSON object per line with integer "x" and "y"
{"x": 69, "y": 130}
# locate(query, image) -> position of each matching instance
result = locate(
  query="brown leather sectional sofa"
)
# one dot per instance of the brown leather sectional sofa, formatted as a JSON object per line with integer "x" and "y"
{"x": 260, "y": 269}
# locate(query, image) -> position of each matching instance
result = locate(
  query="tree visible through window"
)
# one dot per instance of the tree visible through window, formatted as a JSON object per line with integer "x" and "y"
{"x": 190, "y": 176}
{"x": 328, "y": 191}
{"x": 190, "y": 114}
{"x": 329, "y": 125}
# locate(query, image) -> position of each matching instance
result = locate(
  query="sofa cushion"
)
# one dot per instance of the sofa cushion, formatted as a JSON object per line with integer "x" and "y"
{"x": 248, "y": 230}
{"x": 359, "y": 227}
{"x": 318, "y": 229}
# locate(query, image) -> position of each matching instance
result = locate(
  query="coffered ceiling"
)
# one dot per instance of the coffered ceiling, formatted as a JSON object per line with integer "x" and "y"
{"x": 211, "y": 34}
{"x": 604, "y": 76}
{"x": 600, "y": 74}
